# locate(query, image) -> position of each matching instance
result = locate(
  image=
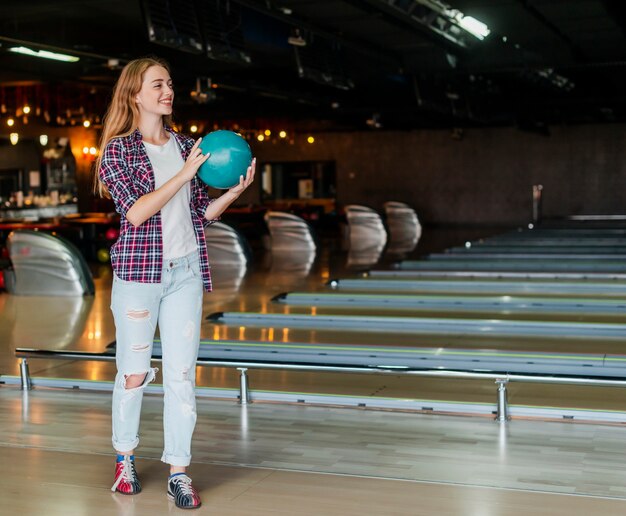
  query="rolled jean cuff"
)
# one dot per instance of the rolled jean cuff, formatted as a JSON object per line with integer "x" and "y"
{"x": 124, "y": 447}
{"x": 174, "y": 460}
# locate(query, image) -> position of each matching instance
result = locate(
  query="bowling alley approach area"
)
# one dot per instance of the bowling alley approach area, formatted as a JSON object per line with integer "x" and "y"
{"x": 409, "y": 221}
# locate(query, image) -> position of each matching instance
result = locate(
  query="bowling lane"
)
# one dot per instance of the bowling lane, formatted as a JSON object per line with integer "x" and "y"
{"x": 501, "y": 307}
{"x": 560, "y": 233}
{"x": 555, "y": 243}
{"x": 513, "y": 264}
{"x": 468, "y": 312}
{"x": 533, "y": 276}
{"x": 476, "y": 287}
{"x": 550, "y": 250}
{"x": 86, "y": 324}
{"x": 435, "y": 339}
{"x": 29, "y": 322}
{"x": 535, "y": 256}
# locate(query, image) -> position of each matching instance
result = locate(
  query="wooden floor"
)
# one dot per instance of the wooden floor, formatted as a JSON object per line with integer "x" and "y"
{"x": 285, "y": 459}
{"x": 294, "y": 459}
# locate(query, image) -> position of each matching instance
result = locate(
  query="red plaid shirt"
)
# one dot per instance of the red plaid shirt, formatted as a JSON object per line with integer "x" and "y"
{"x": 127, "y": 173}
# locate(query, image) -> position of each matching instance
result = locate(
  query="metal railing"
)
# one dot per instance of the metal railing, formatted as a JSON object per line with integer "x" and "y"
{"x": 500, "y": 378}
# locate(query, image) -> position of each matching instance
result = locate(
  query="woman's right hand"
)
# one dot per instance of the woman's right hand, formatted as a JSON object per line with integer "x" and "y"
{"x": 194, "y": 160}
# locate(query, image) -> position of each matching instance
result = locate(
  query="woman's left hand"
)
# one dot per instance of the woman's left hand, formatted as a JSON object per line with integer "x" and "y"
{"x": 244, "y": 182}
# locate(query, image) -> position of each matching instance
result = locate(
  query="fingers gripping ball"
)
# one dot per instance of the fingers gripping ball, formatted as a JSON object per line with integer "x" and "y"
{"x": 230, "y": 158}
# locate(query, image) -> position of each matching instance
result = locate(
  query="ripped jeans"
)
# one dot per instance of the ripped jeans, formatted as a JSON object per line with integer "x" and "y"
{"x": 176, "y": 305}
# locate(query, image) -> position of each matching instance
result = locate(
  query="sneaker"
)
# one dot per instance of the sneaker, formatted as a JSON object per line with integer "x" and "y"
{"x": 126, "y": 481}
{"x": 181, "y": 492}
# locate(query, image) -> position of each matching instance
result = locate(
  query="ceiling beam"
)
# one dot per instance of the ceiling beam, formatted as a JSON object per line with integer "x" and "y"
{"x": 409, "y": 19}
{"x": 364, "y": 47}
{"x": 617, "y": 10}
{"x": 573, "y": 48}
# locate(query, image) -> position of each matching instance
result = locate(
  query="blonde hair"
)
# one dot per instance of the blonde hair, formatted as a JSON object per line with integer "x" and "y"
{"x": 122, "y": 116}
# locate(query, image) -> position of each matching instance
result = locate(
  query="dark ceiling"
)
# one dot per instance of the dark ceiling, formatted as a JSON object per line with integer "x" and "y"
{"x": 387, "y": 64}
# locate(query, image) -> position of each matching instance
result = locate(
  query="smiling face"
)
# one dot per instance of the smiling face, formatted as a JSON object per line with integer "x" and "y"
{"x": 156, "y": 95}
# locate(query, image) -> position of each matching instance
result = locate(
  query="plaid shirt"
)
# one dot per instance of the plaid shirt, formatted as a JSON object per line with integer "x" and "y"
{"x": 127, "y": 173}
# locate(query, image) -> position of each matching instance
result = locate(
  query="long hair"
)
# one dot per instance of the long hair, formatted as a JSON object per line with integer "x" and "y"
{"x": 122, "y": 116}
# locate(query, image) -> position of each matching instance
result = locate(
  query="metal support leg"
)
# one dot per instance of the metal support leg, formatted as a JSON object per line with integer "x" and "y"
{"x": 27, "y": 384}
{"x": 503, "y": 408}
{"x": 244, "y": 392}
{"x": 537, "y": 195}
{"x": 25, "y": 407}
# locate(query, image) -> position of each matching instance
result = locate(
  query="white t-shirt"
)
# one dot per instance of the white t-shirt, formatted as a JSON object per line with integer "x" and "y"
{"x": 179, "y": 238}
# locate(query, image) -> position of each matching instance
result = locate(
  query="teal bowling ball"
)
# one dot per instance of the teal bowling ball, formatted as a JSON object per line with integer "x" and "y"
{"x": 230, "y": 158}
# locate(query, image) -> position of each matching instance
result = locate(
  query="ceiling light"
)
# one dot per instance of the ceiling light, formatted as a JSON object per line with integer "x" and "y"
{"x": 203, "y": 94}
{"x": 449, "y": 23}
{"x": 296, "y": 39}
{"x": 374, "y": 121}
{"x": 44, "y": 54}
{"x": 475, "y": 27}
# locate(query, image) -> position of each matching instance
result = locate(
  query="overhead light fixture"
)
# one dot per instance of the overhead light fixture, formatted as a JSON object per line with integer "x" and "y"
{"x": 203, "y": 94}
{"x": 475, "y": 27}
{"x": 374, "y": 121}
{"x": 296, "y": 39}
{"x": 551, "y": 77}
{"x": 44, "y": 54}
{"x": 442, "y": 19}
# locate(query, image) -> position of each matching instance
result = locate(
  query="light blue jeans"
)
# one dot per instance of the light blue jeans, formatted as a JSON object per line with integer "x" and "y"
{"x": 175, "y": 305}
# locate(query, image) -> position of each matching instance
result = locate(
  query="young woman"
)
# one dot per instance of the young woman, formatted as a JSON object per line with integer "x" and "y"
{"x": 160, "y": 265}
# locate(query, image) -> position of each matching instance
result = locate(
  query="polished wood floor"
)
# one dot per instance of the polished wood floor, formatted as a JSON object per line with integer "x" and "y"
{"x": 286, "y": 459}
{"x": 293, "y": 459}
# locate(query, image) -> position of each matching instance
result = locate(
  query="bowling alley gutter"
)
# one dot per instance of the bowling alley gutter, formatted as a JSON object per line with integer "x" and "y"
{"x": 502, "y": 410}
